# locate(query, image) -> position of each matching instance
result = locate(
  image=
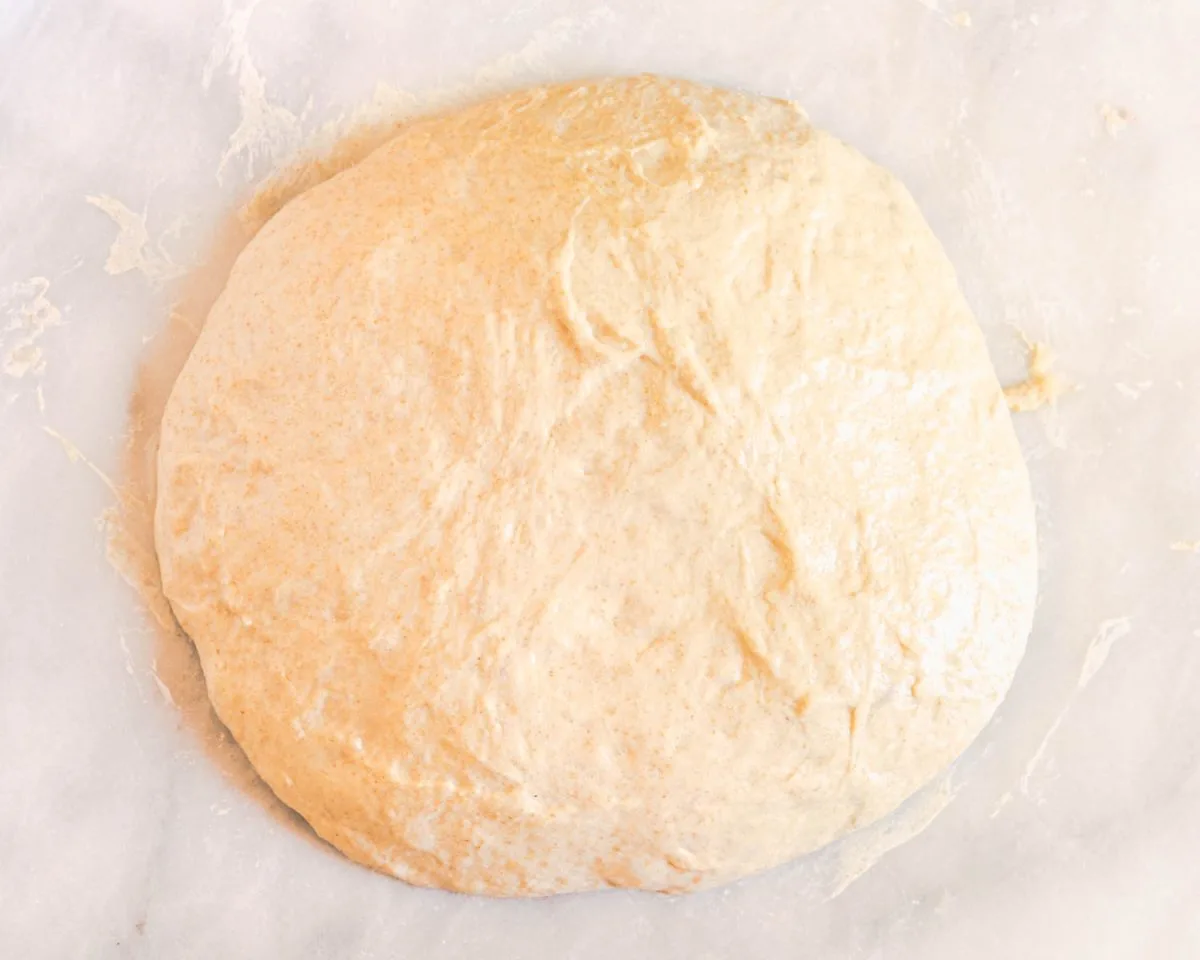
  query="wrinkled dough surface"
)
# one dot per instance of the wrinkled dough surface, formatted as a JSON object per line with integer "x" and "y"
{"x": 606, "y": 484}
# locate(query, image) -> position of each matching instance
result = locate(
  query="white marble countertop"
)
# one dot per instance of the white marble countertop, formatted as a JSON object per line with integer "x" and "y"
{"x": 1054, "y": 147}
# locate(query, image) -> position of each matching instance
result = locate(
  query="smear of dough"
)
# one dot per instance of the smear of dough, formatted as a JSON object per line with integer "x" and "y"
{"x": 75, "y": 455}
{"x": 960, "y": 19}
{"x": 1186, "y": 546}
{"x": 266, "y": 131}
{"x": 1116, "y": 119}
{"x": 1043, "y": 386}
{"x": 1133, "y": 391}
{"x": 132, "y": 249}
{"x": 29, "y": 314}
{"x": 1107, "y": 633}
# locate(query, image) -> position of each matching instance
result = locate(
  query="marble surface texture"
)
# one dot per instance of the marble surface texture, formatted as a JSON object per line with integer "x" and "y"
{"x": 1054, "y": 147}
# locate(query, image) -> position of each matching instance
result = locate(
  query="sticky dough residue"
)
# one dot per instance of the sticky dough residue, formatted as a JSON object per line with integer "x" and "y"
{"x": 1115, "y": 119}
{"x": 28, "y": 313}
{"x": 75, "y": 455}
{"x": 1042, "y": 387}
{"x": 267, "y": 131}
{"x": 960, "y": 19}
{"x": 133, "y": 249}
{"x": 1108, "y": 632}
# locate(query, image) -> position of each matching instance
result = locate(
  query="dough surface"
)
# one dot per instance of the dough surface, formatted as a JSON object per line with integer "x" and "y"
{"x": 602, "y": 485}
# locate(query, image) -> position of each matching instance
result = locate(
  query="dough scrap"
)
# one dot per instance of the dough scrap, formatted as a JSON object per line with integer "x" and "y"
{"x": 1042, "y": 387}
{"x": 602, "y": 485}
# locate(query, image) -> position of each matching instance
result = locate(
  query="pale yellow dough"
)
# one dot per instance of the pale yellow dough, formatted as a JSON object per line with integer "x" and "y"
{"x": 603, "y": 485}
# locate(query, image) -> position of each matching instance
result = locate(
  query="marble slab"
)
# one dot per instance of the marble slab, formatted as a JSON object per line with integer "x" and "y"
{"x": 1054, "y": 147}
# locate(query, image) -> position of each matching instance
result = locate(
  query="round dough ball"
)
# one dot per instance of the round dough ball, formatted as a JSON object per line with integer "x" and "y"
{"x": 602, "y": 485}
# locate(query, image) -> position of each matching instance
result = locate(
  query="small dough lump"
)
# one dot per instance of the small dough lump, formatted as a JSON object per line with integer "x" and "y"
{"x": 602, "y": 485}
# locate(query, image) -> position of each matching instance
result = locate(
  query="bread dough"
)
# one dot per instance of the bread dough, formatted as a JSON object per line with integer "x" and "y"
{"x": 602, "y": 485}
